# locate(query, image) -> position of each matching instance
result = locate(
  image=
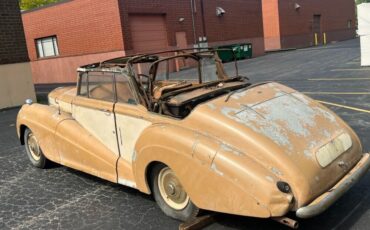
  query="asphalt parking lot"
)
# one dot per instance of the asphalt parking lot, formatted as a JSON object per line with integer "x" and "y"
{"x": 61, "y": 198}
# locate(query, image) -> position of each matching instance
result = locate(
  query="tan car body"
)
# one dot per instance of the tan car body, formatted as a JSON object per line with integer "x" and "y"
{"x": 229, "y": 153}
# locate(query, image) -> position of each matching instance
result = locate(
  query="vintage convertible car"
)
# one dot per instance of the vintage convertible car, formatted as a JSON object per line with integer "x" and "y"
{"x": 189, "y": 130}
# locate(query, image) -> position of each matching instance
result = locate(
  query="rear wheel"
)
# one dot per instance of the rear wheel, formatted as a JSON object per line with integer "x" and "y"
{"x": 170, "y": 195}
{"x": 33, "y": 150}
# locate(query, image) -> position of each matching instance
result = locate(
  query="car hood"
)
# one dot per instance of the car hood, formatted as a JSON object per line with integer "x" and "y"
{"x": 294, "y": 137}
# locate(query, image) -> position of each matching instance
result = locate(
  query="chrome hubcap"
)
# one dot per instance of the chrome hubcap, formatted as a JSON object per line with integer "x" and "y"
{"x": 171, "y": 190}
{"x": 33, "y": 147}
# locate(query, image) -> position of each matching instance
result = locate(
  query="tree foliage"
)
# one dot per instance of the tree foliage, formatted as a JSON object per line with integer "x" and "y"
{"x": 31, "y": 4}
{"x": 361, "y": 1}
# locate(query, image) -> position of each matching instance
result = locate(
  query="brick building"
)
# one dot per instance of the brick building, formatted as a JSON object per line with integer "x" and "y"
{"x": 61, "y": 37}
{"x": 294, "y": 23}
{"x": 15, "y": 70}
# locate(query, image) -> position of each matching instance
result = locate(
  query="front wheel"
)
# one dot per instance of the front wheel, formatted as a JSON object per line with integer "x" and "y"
{"x": 33, "y": 150}
{"x": 170, "y": 195}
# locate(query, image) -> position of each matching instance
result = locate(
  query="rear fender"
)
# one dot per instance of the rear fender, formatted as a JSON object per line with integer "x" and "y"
{"x": 191, "y": 156}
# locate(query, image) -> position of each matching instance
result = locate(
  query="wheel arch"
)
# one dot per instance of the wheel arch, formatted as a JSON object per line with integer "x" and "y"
{"x": 207, "y": 188}
{"x": 22, "y": 131}
{"x": 148, "y": 171}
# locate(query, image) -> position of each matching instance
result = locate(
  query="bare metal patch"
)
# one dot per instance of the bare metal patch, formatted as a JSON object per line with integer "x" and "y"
{"x": 251, "y": 119}
{"x": 287, "y": 110}
{"x": 214, "y": 168}
{"x": 307, "y": 153}
{"x": 329, "y": 116}
{"x": 301, "y": 97}
{"x": 212, "y": 106}
{"x": 126, "y": 183}
{"x": 285, "y": 119}
{"x": 226, "y": 148}
{"x": 134, "y": 155}
{"x": 276, "y": 171}
{"x": 239, "y": 94}
{"x": 195, "y": 144}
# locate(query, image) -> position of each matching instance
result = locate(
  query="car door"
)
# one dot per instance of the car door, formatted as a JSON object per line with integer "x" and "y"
{"x": 89, "y": 142}
{"x": 131, "y": 122}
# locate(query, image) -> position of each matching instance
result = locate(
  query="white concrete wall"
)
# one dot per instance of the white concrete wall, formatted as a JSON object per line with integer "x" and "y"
{"x": 363, "y": 13}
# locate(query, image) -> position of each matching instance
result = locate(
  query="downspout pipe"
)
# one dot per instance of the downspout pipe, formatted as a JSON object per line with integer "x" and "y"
{"x": 193, "y": 20}
{"x": 203, "y": 19}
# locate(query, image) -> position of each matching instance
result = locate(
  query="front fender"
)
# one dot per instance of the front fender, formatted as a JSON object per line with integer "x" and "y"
{"x": 42, "y": 120}
{"x": 215, "y": 178}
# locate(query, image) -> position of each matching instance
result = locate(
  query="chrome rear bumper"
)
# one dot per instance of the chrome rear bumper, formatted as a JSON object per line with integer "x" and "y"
{"x": 327, "y": 199}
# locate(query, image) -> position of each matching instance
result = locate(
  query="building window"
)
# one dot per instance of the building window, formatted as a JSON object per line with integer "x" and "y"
{"x": 47, "y": 47}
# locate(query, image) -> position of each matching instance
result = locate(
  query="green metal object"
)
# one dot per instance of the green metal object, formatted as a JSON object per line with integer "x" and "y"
{"x": 241, "y": 51}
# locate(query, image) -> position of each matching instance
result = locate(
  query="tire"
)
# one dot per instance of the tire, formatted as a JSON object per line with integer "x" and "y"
{"x": 33, "y": 150}
{"x": 177, "y": 204}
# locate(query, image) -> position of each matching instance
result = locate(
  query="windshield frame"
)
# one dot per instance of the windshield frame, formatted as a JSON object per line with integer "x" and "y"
{"x": 197, "y": 56}
{"x": 153, "y": 70}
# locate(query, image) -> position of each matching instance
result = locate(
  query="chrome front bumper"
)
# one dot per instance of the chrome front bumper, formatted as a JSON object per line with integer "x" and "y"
{"x": 323, "y": 202}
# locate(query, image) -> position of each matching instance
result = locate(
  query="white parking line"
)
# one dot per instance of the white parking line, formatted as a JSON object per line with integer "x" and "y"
{"x": 340, "y": 79}
{"x": 341, "y": 70}
{"x": 345, "y": 107}
{"x": 337, "y": 93}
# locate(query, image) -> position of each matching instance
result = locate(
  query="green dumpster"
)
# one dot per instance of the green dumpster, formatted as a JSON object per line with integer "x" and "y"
{"x": 241, "y": 51}
{"x": 247, "y": 50}
{"x": 226, "y": 55}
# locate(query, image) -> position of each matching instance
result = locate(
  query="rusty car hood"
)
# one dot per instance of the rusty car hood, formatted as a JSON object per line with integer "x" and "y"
{"x": 282, "y": 130}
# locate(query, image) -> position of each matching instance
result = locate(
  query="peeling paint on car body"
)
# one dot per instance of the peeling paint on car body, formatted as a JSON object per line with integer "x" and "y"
{"x": 214, "y": 168}
{"x": 290, "y": 123}
{"x": 212, "y": 106}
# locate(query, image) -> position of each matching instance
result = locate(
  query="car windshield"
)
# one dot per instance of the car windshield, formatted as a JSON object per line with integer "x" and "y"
{"x": 190, "y": 68}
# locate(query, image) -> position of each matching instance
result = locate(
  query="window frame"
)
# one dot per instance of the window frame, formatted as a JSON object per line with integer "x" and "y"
{"x": 54, "y": 40}
{"x": 115, "y": 97}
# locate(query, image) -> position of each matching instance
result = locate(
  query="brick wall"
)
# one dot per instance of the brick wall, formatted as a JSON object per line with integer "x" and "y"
{"x": 296, "y": 25}
{"x": 12, "y": 42}
{"x": 90, "y": 26}
{"x": 82, "y": 27}
{"x": 242, "y": 21}
{"x": 90, "y": 30}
